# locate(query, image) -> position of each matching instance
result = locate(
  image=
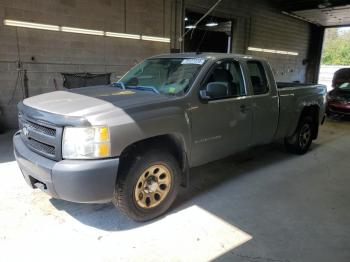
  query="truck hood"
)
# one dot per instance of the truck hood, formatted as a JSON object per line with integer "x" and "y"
{"x": 90, "y": 101}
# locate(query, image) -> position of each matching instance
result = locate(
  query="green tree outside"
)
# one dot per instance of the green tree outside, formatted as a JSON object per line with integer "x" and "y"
{"x": 336, "y": 48}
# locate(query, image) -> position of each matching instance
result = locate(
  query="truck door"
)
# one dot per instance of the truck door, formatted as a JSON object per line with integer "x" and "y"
{"x": 221, "y": 126}
{"x": 265, "y": 105}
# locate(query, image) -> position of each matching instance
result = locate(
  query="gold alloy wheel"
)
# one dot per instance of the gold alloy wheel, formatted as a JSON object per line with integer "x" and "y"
{"x": 153, "y": 186}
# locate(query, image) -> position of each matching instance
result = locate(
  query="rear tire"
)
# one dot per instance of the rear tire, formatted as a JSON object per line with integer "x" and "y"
{"x": 301, "y": 141}
{"x": 148, "y": 185}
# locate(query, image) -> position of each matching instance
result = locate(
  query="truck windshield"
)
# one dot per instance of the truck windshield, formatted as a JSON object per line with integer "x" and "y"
{"x": 169, "y": 76}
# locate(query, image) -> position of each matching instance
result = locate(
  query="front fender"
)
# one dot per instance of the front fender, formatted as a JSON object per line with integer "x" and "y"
{"x": 131, "y": 127}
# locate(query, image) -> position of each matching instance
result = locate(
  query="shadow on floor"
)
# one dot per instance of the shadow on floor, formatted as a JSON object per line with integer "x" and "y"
{"x": 202, "y": 180}
{"x": 295, "y": 208}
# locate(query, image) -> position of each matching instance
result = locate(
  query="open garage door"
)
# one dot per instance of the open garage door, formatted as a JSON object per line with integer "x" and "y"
{"x": 213, "y": 34}
{"x": 323, "y": 14}
{"x": 335, "y": 64}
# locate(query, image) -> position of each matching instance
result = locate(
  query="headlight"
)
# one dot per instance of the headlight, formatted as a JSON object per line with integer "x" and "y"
{"x": 86, "y": 142}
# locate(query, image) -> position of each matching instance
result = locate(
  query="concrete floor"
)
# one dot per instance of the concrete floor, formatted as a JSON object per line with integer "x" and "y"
{"x": 263, "y": 205}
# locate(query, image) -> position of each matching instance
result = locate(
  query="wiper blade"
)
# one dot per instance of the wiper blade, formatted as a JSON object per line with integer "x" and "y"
{"x": 119, "y": 84}
{"x": 144, "y": 88}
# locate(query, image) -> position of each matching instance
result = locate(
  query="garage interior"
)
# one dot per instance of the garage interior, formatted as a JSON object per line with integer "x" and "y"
{"x": 261, "y": 205}
{"x": 214, "y": 35}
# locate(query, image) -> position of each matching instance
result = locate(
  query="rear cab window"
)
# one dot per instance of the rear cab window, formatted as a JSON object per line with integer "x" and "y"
{"x": 258, "y": 77}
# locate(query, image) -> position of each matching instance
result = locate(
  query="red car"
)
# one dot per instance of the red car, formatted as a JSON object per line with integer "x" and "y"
{"x": 338, "y": 100}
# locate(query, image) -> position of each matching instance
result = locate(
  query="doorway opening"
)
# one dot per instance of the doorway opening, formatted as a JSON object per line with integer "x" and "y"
{"x": 213, "y": 34}
{"x": 335, "y": 56}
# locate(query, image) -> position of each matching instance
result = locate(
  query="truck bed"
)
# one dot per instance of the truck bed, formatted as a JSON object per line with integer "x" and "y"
{"x": 281, "y": 85}
{"x": 293, "y": 98}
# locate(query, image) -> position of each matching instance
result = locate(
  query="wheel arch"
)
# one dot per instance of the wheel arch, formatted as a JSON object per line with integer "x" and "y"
{"x": 172, "y": 142}
{"x": 313, "y": 111}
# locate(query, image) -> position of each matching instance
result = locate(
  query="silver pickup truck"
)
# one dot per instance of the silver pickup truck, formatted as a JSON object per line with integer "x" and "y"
{"x": 133, "y": 142}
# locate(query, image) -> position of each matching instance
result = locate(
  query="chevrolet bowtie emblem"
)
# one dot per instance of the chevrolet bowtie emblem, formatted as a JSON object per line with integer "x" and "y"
{"x": 25, "y": 131}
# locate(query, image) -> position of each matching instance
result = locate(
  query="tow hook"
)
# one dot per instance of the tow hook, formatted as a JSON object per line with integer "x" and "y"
{"x": 40, "y": 185}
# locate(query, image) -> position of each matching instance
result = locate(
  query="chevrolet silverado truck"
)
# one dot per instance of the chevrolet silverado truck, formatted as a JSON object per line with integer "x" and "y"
{"x": 133, "y": 142}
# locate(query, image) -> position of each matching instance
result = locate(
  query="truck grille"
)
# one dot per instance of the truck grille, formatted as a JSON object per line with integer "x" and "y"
{"x": 42, "y": 129}
{"x": 41, "y": 147}
{"x": 42, "y": 138}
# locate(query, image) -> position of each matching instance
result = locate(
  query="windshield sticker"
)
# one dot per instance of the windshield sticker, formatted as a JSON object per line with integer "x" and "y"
{"x": 193, "y": 61}
{"x": 172, "y": 90}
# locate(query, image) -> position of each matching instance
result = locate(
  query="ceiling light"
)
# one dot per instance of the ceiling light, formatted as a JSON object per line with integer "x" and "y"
{"x": 272, "y": 51}
{"x": 190, "y": 26}
{"x": 156, "y": 39}
{"x": 31, "y": 25}
{"x": 186, "y": 19}
{"x": 81, "y": 31}
{"x": 67, "y": 29}
{"x": 122, "y": 35}
{"x": 211, "y": 24}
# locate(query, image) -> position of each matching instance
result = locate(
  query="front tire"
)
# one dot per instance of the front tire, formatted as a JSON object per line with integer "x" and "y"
{"x": 148, "y": 185}
{"x": 301, "y": 141}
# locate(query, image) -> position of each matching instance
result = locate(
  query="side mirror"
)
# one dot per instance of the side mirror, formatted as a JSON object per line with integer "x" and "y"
{"x": 214, "y": 90}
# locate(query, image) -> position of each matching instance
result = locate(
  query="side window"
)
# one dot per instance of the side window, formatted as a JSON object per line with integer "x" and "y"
{"x": 238, "y": 81}
{"x": 258, "y": 77}
{"x": 229, "y": 73}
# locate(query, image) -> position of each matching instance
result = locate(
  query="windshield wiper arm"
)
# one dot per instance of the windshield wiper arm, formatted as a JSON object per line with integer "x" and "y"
{"x": 119, "y": 84}
{"x": 144, "y": 88}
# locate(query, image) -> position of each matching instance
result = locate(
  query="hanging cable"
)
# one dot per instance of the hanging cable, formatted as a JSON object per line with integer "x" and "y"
{"x": 201, "y": 41}
{"x": 200, "y": 20}
{"x": 19, "y": 80}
